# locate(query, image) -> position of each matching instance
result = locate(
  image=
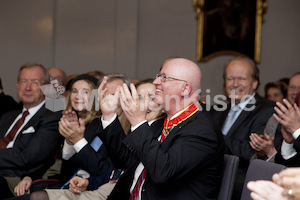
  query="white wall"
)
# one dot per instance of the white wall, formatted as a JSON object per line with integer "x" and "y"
{"x": 131, "y": 37}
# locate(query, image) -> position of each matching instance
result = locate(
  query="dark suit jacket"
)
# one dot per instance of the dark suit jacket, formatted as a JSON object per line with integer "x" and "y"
{"x": 237, "y": 138}
{"x": 33, "y": 153}
{"x": 95, "y": 163}
{"x": 7, "y": 103}
{"x": 187, "y": 165}
{"x": 292, "y": 162}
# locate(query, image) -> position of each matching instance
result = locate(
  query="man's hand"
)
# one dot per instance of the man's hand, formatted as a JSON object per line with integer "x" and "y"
{"x": 23, "y": 186}
{"x": 262, "y": 144}
{"x": 134, "y": 108}
{"x": 71, "y": 128}
{"x": 78, "y": 184}
{"x": 287, "y": 136}
{"x": 108, "y": 102}
{"x": 288, "y": 117}
{"x": 265, "y": 190}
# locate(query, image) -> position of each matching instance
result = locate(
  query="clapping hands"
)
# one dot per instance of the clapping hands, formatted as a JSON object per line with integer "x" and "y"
{"x": 71, "y": 128}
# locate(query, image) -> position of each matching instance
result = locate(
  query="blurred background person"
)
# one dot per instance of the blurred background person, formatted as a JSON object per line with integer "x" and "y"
{"x": 7, "y": 103}
{"x": 275, "y": 91}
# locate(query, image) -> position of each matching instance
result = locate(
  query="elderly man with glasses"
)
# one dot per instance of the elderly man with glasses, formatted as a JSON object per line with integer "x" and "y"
{"x": 29, "y": 137}
{"x": 184, "y": 159}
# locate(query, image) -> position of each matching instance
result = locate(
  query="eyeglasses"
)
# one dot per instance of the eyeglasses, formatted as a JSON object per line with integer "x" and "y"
{"x": 33, "y": 83}
{"x": 231, "y": 79}
{"x": 163, "y": 78}
{"x": 293, "y": 88}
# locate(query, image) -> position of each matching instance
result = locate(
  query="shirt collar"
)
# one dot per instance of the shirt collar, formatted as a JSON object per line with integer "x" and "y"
{"x": 243, "y": 104}
{"x": 34, "y": 109}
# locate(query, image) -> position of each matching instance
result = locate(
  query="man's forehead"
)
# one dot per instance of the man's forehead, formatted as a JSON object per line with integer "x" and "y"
{"x": 33, "y": 73}
{"x": 295, "y": 80}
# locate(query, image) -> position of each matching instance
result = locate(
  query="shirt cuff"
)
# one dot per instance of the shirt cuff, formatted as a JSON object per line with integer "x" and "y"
{"x": 296, "y": 133}
{"x": 136, "y": 126}
{"x": 107, "y": 123}
{"x": 287, "y": 150}
{"x": 271, "y": 157}
{"x": 80, "y": 144}
{"x": 68, "y": 151}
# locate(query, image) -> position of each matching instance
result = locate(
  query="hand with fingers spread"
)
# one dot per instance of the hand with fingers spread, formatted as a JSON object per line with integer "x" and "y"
{"x": 134, "y": 108}
{"x": 262, "y": 144}
{"x": 108, "y": 102}
{"x": 288, "y": 117}
{"x": 78, "y": 184}
{"x": 23, "y": 186}
{"x": 71, "y": 128}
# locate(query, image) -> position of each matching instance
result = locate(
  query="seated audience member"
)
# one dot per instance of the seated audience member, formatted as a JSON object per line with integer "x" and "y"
{"x": 88, "y": 161}
{"x": 275, "y": 91}
{"x": 29, "y": 137}
{"x": 293, "y": 87}
{"x": 58, "y": 79}
{"x": 7, "y": 103}
{"x": 247, "y": 113}
{"x": 79, "y": 185}
{"x": 285, "y": 186}
{"x": 186, "y": 161}
{"x": 289, "y": 118}
{"x": 58, "y": 74}
{"x": 267, "y": 145}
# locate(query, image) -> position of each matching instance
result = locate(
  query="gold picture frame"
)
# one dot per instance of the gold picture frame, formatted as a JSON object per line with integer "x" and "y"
{"x": 229, "y": 27}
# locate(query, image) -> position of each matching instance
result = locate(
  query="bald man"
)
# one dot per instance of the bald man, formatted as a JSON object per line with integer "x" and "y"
{"x": 182, "y": 160}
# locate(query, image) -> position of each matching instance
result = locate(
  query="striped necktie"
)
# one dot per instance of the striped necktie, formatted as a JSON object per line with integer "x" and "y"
{"x": 10, "y": 136}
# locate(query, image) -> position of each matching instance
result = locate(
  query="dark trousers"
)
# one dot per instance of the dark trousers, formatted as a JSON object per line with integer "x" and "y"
{"x": 5, "y": 191}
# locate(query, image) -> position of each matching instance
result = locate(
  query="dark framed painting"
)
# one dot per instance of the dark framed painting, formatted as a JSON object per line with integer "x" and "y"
{"x": 229, "y": 27}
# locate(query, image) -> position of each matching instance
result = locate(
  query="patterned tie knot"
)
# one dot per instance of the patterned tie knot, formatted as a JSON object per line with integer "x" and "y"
{"x": 25, "y": 113}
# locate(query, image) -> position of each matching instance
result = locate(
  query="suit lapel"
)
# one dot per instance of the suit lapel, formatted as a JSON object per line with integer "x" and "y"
{"x": 41, "y": 112}
{"x": 157, "y": 127}
{"x": 8, "y": 119}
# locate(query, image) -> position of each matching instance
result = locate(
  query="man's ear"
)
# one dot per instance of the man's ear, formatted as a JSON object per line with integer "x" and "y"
{"x": 255, "y": 84}
{"x": 186, "y": 90}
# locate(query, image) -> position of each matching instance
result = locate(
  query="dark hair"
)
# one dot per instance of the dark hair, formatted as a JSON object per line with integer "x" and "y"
{"x": 279, "y": 85}
{"x": 255, "y": 74}
{"x": 90, "y": 78}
